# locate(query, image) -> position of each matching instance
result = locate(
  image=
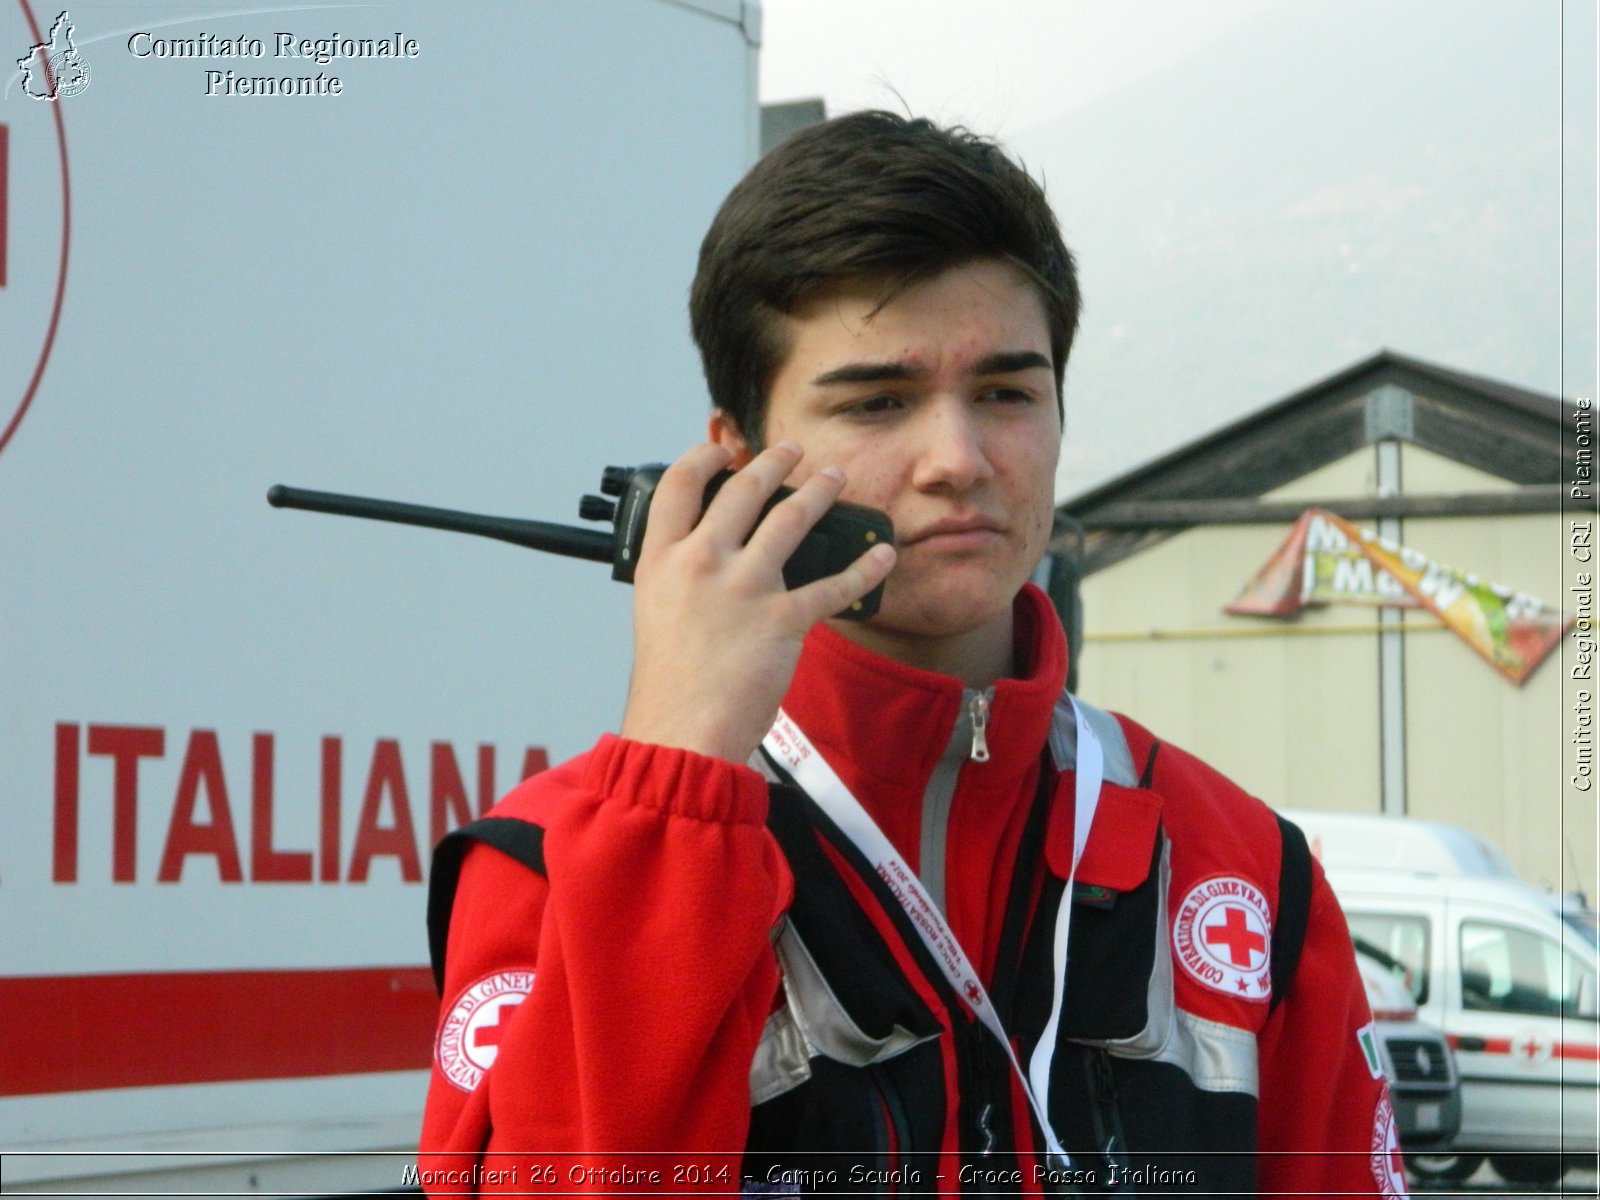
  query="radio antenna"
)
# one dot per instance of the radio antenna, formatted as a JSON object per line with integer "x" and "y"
{"x": 569, "y": 540}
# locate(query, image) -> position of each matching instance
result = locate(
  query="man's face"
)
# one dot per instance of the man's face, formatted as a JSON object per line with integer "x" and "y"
{"x": 940, "y": 408}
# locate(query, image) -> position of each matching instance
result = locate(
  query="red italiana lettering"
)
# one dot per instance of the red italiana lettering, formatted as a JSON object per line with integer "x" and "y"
{"x": 399, "y": 840}
{"x": 268, "y": 864}
{"x": 202, "y": 768}
{"x": 64, "y": 845}
{"x": 332, "y": 774}
{"x": 201, "y": 818}
{"x": 534, "y": 760}
{"x": 448, "y": 807}
{"x": 125, "y": 745}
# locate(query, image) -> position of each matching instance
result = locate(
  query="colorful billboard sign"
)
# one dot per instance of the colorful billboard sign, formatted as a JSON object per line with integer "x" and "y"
{"x": 1329, "y": 560}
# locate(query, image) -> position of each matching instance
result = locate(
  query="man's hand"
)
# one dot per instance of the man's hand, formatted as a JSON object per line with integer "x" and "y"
{"x": 716, "y": 634}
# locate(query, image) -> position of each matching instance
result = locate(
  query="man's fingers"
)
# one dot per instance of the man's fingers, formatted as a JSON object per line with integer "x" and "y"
{"x": 734, "y": 512}
{"x": 835, "y": 594}
{"x": 732, "y": 532}
{"x": 783, "y": 529}
{"x": 675, "y": 508}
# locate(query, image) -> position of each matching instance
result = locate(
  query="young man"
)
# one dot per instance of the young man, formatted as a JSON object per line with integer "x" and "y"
{"x": 804, "y": 926}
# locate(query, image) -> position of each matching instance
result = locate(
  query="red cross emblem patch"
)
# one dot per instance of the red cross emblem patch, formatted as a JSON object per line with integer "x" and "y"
{"x": 1222, "y": 936}
{"x": 469, "y": 1038}
{"x": 1386, "y": 1159}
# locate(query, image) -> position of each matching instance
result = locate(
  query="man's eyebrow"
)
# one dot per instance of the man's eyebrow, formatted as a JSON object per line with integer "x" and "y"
{"x": 1005, "y": 362}
{"x": 868, "y": 372}
{"x": 1009, "y": 361}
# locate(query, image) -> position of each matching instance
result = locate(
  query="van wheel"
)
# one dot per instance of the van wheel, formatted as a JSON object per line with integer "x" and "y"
{"x": 1527, "y": 1168}
{"x": 1443, "y": 1168}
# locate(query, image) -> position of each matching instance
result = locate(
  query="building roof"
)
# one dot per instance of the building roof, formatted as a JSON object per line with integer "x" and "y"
{"x": 1496, "y": 427}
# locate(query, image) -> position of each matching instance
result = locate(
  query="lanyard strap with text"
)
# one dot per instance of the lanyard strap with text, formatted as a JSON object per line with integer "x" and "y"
{"x": 792, "y": 750}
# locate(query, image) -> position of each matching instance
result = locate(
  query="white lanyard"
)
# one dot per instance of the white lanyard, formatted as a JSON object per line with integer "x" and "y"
{"x": 792, "y": 750}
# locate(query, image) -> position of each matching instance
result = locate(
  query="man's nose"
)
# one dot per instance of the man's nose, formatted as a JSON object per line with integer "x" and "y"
{"x": 952, "y": 452}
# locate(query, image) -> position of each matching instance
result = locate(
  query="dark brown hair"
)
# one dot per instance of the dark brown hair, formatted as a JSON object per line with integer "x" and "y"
{"x": 868, "y": 195}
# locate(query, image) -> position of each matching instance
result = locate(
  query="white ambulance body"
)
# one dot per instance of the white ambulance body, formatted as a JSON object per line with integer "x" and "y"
{"x": 1382, "y": 843}
{"x": 229, "y": 735}
{"x": 1507, "y": 970}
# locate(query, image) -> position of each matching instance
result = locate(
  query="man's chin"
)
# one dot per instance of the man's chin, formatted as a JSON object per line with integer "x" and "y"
{"x": 940, "y": 617}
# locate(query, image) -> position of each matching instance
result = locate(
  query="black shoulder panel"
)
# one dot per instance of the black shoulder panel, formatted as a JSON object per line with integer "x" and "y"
{"x": 520, "y": 840}
{"x": 1294, "y": 908}
{"x": 1148, "y": 775}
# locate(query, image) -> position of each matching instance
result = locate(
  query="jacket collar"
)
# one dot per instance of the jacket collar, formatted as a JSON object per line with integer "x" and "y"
{"x": 883, "y": 726}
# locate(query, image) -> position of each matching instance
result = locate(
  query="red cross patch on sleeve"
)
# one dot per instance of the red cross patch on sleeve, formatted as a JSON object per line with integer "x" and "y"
{"x": 1222, "y": 936}
{"x": 1386, "y": 1160}
{"x": 469, "y": 1038}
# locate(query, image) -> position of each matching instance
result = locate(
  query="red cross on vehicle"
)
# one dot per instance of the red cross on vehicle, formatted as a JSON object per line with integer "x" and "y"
{"x": 1243, "y": 943}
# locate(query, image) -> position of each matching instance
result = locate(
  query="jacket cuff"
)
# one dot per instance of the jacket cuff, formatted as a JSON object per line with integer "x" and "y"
{"x": 676, "y": 782}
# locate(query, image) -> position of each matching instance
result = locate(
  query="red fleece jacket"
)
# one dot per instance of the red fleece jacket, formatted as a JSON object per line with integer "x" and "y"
{"x": 599, "y": 1022}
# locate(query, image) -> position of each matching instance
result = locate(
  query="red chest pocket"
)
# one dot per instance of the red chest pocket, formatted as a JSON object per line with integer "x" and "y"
{"x": 1116, "y": 913}
{"x": 1121, "y": 840}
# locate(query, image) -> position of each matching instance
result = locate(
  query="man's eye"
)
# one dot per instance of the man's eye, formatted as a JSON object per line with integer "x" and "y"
{"x": 872, "y": 406}
{"x": 1007, "y": 395}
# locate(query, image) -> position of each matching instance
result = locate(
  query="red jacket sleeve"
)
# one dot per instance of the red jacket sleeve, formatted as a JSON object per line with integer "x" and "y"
{"x": 1337, "y": 1137}
{"x": 597, "y": 1018}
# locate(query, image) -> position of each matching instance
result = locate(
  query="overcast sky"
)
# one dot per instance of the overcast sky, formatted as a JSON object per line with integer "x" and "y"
{"x": 1260, "y": 192}
{"x": 996, "y": 65}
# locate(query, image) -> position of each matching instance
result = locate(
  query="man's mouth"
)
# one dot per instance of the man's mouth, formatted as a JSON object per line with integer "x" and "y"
{"x": 954, "y": 533}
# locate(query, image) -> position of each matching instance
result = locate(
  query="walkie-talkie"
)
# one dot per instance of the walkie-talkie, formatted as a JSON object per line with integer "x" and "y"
{"x": 844, "y": 533}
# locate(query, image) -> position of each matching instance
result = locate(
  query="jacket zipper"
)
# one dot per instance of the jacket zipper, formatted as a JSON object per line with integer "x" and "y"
{"x": 980, "y": 1139}
{"x": 1107, "y": 1119}
{"x": 978, "y": 710}
{"x": 972, "y": 728}
{"x": 893, "y": 1136}
{"x": 968, "y": 743}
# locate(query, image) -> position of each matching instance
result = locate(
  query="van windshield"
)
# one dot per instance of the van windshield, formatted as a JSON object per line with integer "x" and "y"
{"x": 1398, "y": 941}
{"x": 1506, "y": 968}
{"x": 1583, "y": 920}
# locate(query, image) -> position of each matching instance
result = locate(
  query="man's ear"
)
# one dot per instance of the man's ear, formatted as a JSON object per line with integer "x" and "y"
{"x": 724, "y": 431}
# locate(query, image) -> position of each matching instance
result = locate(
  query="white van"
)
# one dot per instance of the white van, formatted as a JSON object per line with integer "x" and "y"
{"x": 1508, "y": 971}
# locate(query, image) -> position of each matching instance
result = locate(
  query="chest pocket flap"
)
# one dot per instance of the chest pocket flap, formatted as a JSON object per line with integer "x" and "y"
{"x": 1121, "y": 841}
